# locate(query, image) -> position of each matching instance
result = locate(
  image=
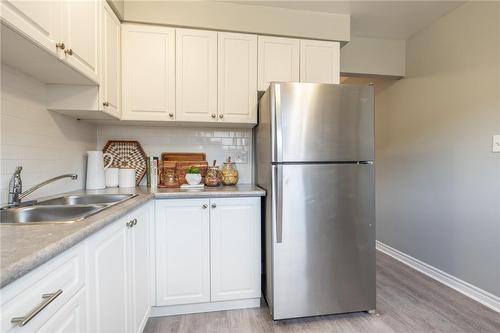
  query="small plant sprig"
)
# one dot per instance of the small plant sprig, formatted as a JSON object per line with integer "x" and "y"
{"x": 192, "y": 169}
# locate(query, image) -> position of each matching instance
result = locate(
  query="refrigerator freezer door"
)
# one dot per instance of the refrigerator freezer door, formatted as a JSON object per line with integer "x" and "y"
{"x": 323, "y": 122}
{"x": 325, "y": 262}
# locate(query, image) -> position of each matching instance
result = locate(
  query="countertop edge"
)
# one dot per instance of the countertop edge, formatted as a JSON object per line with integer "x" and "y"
{"x": 27, "y": 264}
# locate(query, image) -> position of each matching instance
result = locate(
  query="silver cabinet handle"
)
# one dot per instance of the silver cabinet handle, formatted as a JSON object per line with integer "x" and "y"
{"x": 105, "y": 104}
{"x": 221, "y": 116}
{"x": 130, "y": 223}
{"x": 134, "y": 221}
{"x": 61, "y": 46}
{"x": 171, "y": 115}
{"x": 68, "y": 51}
{"x": 47, "y": 299}
{"x": 214, "y": 205}
{"x": 204, "y": 206}
{"x": 214, "y": 115}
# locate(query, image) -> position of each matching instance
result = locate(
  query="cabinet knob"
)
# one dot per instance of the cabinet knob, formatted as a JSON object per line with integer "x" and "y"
{"x": 221, "y": 116}
{"x": 134, "y": 221}
{"x": 130, "y": 224}
{"x": 68, "y": 51}
{"x": 171, "y": 115}
{"x": 204, "y": 206}
{"x": 105, "y": 104}
{"x": 61, "y": 46}
{"x": 214, "y": 115}
{"x": 214, "y": 205}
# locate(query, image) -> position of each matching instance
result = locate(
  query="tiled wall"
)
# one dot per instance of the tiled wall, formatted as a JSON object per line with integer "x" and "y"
{"x": 46, "y": 144}
{"x": 217, "y": 143}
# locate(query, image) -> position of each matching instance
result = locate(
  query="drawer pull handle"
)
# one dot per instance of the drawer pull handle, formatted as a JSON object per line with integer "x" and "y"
{"x": 47, "y": 299}
{"x": 134, "y": 221}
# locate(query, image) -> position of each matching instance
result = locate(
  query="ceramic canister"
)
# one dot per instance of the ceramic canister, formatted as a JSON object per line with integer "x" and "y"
{"x": 126, "y": 177}
{"x": 111, "y": 177}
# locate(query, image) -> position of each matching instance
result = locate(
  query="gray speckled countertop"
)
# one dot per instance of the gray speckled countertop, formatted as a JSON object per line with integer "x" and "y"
{"x": 25, "y": 247}
{"x": 210, "y": 192}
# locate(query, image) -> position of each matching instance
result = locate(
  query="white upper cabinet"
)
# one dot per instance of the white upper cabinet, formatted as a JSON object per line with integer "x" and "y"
{"x": 196, "y": 75}
{"x": 148, "y": 70}
{"x": 110, "y": 87}
{"x": 237, "y": 78}
{"x": 81, "y": 36}
{"x": 235, "y": 248}
{"x": 319, "y": 61}
{"x": 182, "y": 251}
{"x": 278, "y": 60}
{"x": 38, "y": 20}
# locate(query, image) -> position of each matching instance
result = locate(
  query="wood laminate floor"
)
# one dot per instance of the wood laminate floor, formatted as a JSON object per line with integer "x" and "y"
{"x": 407, "y": 301}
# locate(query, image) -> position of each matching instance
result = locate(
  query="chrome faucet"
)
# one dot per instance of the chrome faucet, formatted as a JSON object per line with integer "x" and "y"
{"x": 16, "y": 193}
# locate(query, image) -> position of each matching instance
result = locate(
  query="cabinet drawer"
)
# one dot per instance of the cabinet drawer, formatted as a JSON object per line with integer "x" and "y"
{"x": 64, "y": 273}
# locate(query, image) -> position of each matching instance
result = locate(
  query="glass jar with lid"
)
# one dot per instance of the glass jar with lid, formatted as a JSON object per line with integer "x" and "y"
{"x": 229, "y": 173}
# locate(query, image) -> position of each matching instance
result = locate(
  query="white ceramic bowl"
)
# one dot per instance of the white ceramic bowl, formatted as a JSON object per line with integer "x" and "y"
{"x": 193, "y": 178}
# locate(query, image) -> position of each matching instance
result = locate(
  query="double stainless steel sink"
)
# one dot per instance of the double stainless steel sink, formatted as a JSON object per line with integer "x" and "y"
{"x": 64, "y": 209}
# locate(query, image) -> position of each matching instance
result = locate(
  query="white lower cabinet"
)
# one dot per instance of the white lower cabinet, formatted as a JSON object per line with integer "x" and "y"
{"x": 118, "y": 275}
{"x": 54, "y": 293}
{"x": 207, "y": 253}
{"x": 235, "y": 248}
{"x": 139, "y": 269}
{"x": 108, "y": 283}
{"x": 182, "y": 251}
{"x": 70, "y": 318}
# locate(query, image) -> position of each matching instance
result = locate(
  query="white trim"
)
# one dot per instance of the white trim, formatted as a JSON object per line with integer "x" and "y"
{"x": 171, "y": 310}
{"x": 477, "y": 294}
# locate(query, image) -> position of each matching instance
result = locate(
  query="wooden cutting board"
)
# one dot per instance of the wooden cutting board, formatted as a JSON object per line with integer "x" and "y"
{"x": 183, "y": 157}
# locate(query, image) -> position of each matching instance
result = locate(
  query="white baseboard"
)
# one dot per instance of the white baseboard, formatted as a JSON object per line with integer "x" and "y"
{"x": 477, "y": 294}
{"x": 171, "y": 310}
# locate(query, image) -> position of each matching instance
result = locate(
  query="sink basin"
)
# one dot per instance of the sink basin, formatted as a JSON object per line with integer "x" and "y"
{"x": 87, "y": 199}
{"x": 51, "y": 214}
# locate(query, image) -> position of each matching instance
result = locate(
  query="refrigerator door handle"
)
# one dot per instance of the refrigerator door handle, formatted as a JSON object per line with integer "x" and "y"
{"x": 278, "y": 204}
{"x": 277, "y": 124}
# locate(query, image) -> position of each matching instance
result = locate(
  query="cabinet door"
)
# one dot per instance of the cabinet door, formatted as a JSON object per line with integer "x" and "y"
{"x": 237, "y": 78}
{"x": 235, "y": 248}
{"x": 148, "y": 69}
{"x": 39, "y": 20}
{"x": 182, "y": 251}
{"x": 319, "y": 61}
{"x": 81, "y": 36}
{"x": 108, "y": 280}
{"x": 139, "y": 268}
{"x": 110, "y": 82}
{"x": 71, "y": 317}
{"x": 196, "y": 75}
{"x": 278, "y": 60}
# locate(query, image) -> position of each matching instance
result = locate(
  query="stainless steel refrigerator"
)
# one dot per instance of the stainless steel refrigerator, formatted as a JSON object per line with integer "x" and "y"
{"x": 314, "y": 156}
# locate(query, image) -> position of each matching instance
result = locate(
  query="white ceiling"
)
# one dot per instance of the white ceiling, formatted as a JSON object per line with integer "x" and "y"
{"x": 378, "y": 19}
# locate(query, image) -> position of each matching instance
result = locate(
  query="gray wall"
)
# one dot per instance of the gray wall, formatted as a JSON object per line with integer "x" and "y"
{"x": 438, "y": 182}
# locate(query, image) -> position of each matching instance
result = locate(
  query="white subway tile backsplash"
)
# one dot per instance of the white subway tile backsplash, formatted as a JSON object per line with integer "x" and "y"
{"x": 46, "y": 144}
{"x": 217, "y": 143}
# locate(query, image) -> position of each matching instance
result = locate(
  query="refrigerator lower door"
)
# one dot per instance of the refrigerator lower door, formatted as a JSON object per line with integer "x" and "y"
{"x": 324, "y": 258}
